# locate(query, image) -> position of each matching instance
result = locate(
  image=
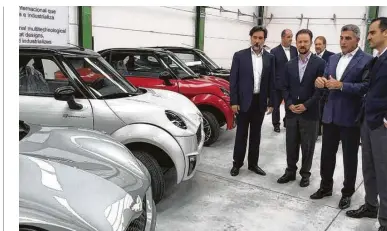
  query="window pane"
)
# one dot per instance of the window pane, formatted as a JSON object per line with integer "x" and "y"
{"x": 141, "y": 65}
{"x": 39, "y": 75}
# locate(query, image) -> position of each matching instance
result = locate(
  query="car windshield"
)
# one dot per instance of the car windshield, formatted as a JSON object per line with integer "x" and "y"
{"x": 209, "y": 61}
{"x": 102, "y": 79}
{"x": 180, "y": 69}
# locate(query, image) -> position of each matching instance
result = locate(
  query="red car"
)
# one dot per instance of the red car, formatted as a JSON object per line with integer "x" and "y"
{"x": 157, "y": 68}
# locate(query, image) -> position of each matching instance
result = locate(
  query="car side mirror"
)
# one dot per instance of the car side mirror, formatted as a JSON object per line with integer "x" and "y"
{"x": 66, "y": 93}
{"x": 166, "y": 76}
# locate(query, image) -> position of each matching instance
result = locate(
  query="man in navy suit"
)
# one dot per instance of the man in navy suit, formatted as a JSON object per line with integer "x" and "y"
{"x": 301, "y": 98}
{"x": 282, "y": 53}
{"x": 251, "y": 85}
{"x": 374, "y": 130}
{"x": 320, "y": 44}
{"x": 344, "y": 79}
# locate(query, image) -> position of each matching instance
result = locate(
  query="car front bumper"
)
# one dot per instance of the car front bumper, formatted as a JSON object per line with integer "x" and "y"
{"x": 147, "y": 220}
{"x": 192, "y": 147}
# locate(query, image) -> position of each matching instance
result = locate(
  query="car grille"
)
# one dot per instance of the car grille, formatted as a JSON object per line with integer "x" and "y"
{"x": 199, "y": 134}
{"x": 139, "y": 223}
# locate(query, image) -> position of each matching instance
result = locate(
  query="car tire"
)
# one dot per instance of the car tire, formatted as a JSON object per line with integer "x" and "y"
{"x": 214, "y": 127}
{"x": 155, "y": 171}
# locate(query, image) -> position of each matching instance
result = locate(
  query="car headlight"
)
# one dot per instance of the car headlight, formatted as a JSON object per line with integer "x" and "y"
{"x": 176, "y": 119}
{"x": 225, "y": 91}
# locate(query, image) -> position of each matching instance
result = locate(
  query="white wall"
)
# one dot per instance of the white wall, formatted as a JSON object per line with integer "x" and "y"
{"x": 73, "y": 25}
{"x": 382, "y": 11}
{"x": 142, "y": 26}
{"x": 325, "y": 27}
{"x": 226, "y": 33}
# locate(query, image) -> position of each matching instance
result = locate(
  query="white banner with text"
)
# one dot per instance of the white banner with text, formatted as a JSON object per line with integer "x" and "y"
{"x": 44, "y": 25}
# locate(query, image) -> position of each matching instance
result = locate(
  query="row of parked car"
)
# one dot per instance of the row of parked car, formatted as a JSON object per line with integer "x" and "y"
{"x": 98, "y": 131}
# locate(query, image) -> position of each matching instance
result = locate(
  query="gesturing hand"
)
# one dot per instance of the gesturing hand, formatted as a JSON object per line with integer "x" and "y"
{"x": 320, "y": 82}
{"x": 333, "y": 83}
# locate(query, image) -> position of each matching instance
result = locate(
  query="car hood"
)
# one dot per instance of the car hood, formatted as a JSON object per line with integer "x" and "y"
{"x": 150, "y": 108}
{"x": 205, "y": 81}
{"x": 53, "y": 194}
{"x": 88, "y": 150}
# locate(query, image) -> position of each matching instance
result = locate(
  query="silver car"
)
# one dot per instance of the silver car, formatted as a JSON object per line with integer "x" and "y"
{"x": 67, "y": 86}
{"x": 75, "y": 179}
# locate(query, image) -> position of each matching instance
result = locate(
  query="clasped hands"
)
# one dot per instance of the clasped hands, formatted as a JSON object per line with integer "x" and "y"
{"x": 298, "y": 109}
{"x": 236, "y": 108}
{"x": 330, "y": 83}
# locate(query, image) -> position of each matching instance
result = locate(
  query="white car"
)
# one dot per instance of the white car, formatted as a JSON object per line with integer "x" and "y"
{"x": 78, "y": 179}
{"x": 76, "y": 87}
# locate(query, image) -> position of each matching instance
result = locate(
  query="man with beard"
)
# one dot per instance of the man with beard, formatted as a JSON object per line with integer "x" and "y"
{"x": 346, "y": 84}
{"x": 374, "y": 130}
{"x": 282, "y": 53}
{"x": 301, "y": 98}
{"x": 320, "y": 44}
{"x": 251, "y": 85}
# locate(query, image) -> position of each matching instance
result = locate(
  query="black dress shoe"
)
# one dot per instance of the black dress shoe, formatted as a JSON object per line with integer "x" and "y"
{"x": 277, "y": 129}
{"x": 304, "y": 182}
{"x": 287, "y": 177}
{"x": 257, "y": 170}
{"x": 234, "y": 171}
{"x": 320, "y": 194}
{"x": 363, "y": 211}
{"x": 345, "y": 202}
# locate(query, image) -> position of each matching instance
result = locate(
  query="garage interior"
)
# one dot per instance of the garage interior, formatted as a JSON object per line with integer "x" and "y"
{"x": 213, "y": 200}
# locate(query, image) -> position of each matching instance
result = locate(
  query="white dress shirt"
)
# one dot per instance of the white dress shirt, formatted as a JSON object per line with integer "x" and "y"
{"x": 343, "y": 63}
{"x": 382, "y": 52}
{"x": 321, "y": 54}
{"x": 287, "y": 51}
{"x": 257, "y": 69}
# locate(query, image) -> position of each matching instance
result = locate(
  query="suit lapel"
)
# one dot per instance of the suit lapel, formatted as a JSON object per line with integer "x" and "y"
{"x": 250, "y": 61}
{"x": 359, "y": 54}
{"x": 293, "y": 52}
{"x": 334, "y": 66}
{"x": 265, "y": 63}
{"x": 297, "y": 70}
{"x": 378, "y": 63}
{"x": 308, "y": 67}
{"x": 281, "y": 49}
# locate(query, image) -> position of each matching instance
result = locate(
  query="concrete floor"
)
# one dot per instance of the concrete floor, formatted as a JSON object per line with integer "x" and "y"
{"x": 213, "y": 200}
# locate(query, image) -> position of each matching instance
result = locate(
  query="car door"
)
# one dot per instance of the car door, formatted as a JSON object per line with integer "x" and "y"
{"x": 143, "y": 69}
{"x": 37, "y": 84}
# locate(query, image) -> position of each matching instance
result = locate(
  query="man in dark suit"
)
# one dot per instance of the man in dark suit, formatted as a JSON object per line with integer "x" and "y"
{"x": 320, "y": 44}
{"x": 251, "y": 85}
{"x": 374, "y": 130}
{"x": 343, "y": 78}
{"x": 301, "y": 98}
{"x": 282, "y": 53}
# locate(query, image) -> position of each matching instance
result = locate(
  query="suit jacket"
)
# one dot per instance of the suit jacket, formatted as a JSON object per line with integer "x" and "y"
{"x": 280, "y": 61}
{"x": 304, "y": 92}
{"x": 343, "y": 106}
{"x": 242, "y": 80}
{"x": 326, "y": 55}
{"x": 376, "y": 98}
